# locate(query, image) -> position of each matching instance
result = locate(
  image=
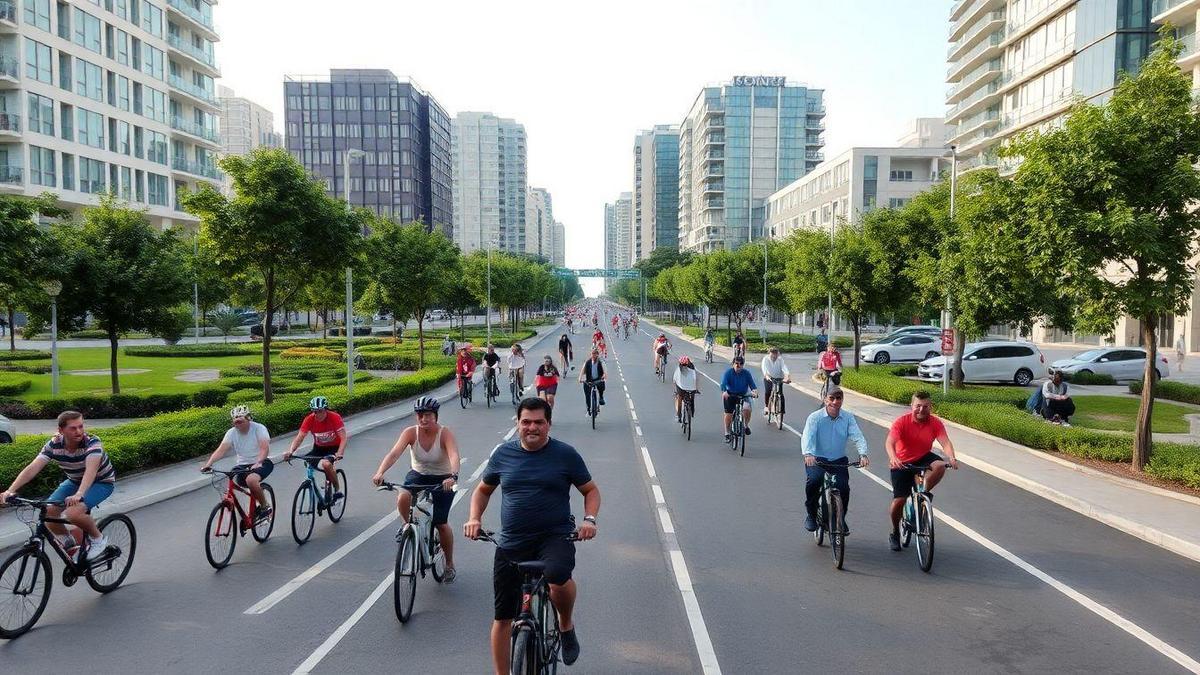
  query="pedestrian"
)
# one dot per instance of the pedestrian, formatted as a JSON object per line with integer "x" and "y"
{"x": 1180, "y": 350}
{"x": 1057, "y": 405}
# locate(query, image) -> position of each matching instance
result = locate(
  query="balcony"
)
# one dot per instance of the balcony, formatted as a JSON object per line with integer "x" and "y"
{"x": 816, "y": 110}
{"x": 1019, "y": 27}
{"x": 983, "y": 51}
{"x": 8, "y": 15}
{"x": 195, "y": 91}
{"x": 814, "y": 156}
{"x": 196, "y": 169}
{"x": 1189, "y": 56}
{"x": 714, "y": 186}
{"x": 10, "y": 124}
{"x": 1019, "y": 119}
{"x": 205, "y": 59}
{"x": 195, "y": 16}
{"x": 12, "y": 177}
{"x": 10, "y": 69}
{"x": 983, "y": 160}
{"x": 1048, "y": 60}
{"x": 714, "y": 204}
{"x": 192, "y": 129}
{"x": 991, "y": 21}
{"x": 965, "y": 20}
{"x": 981, "y": 75}
{"x": 714, "y": 139}
{"x": 1173, "y": 11}
{"x": 971, "y": 103}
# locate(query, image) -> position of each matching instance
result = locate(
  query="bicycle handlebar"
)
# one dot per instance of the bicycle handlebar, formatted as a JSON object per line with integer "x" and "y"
{"x": 15, "y": 500}
{"x": 332, "y": 458}
{"x": 392, "y": 487}
{"x": 831, "y": 465}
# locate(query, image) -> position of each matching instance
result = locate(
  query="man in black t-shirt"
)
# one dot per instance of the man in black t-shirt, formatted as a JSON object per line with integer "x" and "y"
{"x": 537, "y": 473}
{"x": 565, "y": 354}
{"x": 491, "y": 361}
{"x": 592, "y": 374}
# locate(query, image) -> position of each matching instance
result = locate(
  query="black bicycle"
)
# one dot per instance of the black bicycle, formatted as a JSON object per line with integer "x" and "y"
{"x": 775, "y": 403}
{"x": 419, "y": 548}
{"x": 661, "y": 368}
{"x": 25, "y": 579}
{"x": 536, "y": 639}
{"x": 491, "y": 388}
{"x": 708, "y": 352}
{"x": 687, "y": 410}
{"x": 514, "y": 387}
{"x": 737, "y": 426}
{"x": 593, "y": 401}
{"x": 831, "y": 513}
{"x": 465, "y": 390}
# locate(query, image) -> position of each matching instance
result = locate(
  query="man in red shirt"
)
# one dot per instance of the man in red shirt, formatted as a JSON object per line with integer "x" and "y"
{"x": 329, "y": 438}
{"x": 910, "y": 444}
{"x": 465, "y": 365}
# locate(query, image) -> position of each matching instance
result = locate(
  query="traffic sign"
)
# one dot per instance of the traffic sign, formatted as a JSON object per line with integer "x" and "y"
{"x": 607, "y": 272}
{"x": 947, "y": 341}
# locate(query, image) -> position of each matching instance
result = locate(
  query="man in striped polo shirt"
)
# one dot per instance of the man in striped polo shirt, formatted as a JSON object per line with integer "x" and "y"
{"x": 90, "y": 480}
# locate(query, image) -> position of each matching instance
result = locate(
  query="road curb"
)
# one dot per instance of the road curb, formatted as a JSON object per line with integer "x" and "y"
{"x": 1108, "y": 517}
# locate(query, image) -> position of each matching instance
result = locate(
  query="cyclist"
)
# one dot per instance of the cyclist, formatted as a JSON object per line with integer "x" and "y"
{"x": 602, "y": 346}
{"x": 597, "y": 337}
{"x": 516, "y": 366}
{"x": 616, "y": 322}
{"x": 91, "y": 478}
{"x": 774, "y": 368}
{"x": 464, "y": 366}
{"x": 537, "y": 473}
{"x": 570, "y": 326}
{"x": 660, "y": 348}
{"x": 739, "y": 344}
{"x": 830, "y": 363}
{"x": 592, "y": 374}
{"x": 251, "y": 444}
{"x": 491, "y": 369}
{"x": 447, "y": 345}
{"x": 329, "y": 438}
{"x": 710, "y": 340}
{"x": 685, "y": 384}
{"x": 826, "y": 432}
{"x": 545, "y": 381}
{"x": 565, "y": 352}
{"x": 910, "y": 442}
{"x": 737, "y": 381}
{"x": 435, "y": 461}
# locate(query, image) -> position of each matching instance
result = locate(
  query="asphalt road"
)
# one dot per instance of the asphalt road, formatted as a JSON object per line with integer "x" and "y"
{"x": 757, "y": 591}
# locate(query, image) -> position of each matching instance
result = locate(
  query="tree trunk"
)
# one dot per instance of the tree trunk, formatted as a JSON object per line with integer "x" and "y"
{"x": 1142, "y": 439}
{"x": 790, "y": 317}
{"x": 325, "y": 324}
{"x": 960, "y": 345}
{"x": 462, "y": 325}
{"x": 268, "y": 396}
{"x": 112, "y": 361}
{"x": 308, "y": 319}
{"x": 12, "y": 329}
{"x": 729, "y": 327}
{"x": 420, "y": 339}
{"x": 855, "y": 323}
{"x": 395, "y": 326}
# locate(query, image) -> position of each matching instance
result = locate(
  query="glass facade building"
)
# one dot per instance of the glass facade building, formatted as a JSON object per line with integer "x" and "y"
{"x": 740, "y": 143}
{"x": 655, "y": 190}
{"x": 405, "y": 172}
{"x": 490, "y": 183}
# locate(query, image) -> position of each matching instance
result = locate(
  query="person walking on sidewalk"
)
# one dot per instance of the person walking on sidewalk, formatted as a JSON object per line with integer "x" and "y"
{"x": 910, "y": 448}
{"x": 1180, "y": 350}
{"x": 1057, "y": 405}
{"x": 826, "y": 432}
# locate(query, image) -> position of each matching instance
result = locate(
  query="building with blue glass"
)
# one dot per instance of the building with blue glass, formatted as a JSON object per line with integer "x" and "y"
{"x": 655, "y": 190}
{"x": 739, "y": 144}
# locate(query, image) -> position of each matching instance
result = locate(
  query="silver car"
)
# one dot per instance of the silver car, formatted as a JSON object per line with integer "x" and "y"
{"x": 1122, "y": 363}
{"x": 8, "y": 430}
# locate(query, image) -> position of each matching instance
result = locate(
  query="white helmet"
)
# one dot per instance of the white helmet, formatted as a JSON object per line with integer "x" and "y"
{"x": 240, "y": 411}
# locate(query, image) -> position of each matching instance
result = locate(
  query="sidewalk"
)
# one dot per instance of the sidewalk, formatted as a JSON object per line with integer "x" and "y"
{"x": 1162, "y": 517}
{"x": 156, "y": 485}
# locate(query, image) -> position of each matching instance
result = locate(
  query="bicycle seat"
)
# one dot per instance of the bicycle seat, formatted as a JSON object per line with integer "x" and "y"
{"x": 535, "y": 567}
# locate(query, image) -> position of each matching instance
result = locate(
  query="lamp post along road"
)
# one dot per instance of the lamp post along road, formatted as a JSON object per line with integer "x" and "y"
{"x": 196, "y": 285}
{"x": 347, "y": 155}
{"x": 950, "y": 362}
{"x": 53, "y": 287}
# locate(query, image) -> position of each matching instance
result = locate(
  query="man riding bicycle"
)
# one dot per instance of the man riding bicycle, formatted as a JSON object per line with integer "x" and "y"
{"x": 91, "y": 479}
{"x": 826, "y": 432}
{"x": 661, "y": 348}
{"x": 709, "y": 340}
{"x": 910, "y": 444}
{"x": 592, "y": 374}
{"x": 537, "y": 473}
{"x": 565, "y": 352}
{"x": 737, "y": 381}
{"x": 685, "y": 384}
{"x": 774, "y": 369}
{"x": 251, "y": 445}
{"x": 433, "y": 451}
{"x": 329, "y": 438}
{"x": 739, "y": 344}
{"x": 491, "y": 369}
{"x": 464, "y": 366}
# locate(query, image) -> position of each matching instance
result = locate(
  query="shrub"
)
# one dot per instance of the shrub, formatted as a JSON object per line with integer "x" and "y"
{"x": 1171, "y": 390}
{"x": 88, "y": 334}
{"x": 119, "y": 405}
{"x": 323, "y": 353}
{"x": 24, "y": 355}
{"x": 32, "y": 370}
{"x": 12, "y": 384}
{"x": 1090, "y": 378}
{"x": 194, "y": 351}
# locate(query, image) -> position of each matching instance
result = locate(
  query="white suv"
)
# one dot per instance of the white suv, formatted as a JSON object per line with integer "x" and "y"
{"x": 1000, "y": 361}
{"x": 8, "y": 430}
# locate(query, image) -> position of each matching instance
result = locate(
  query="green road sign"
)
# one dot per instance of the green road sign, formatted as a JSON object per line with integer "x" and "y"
{"x": 598, "y": 272}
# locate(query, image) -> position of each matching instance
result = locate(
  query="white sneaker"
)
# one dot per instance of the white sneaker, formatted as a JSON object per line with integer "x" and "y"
{"x": 1066, "y": 424}
{"x": 95, "y": 547}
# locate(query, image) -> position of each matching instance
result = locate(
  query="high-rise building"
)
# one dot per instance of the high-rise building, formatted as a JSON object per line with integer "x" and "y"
{"x": 739, "y": 143}
{"x": 559, "y": 248}
{"x": 103, "y": 97}
{"x": 490, "y": 186}
{"x": 245, "y": 125}
{"x": 400, "y": 135}
{"x": 539, "y": 219}
{"x": 1015, "y": 66}
{"x": 655, "y": 190}
{"x": 623, "y": 225}
{"x": 610, "y": 240}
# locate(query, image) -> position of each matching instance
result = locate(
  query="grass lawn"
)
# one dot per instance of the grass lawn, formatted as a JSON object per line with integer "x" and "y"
{"x": 1117, "y": 413}
{"x": 160, "y": 378}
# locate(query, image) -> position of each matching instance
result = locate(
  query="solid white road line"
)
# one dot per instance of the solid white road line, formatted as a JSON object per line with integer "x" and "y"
{"x": 632, "y": 412}
{"x": 332, "y": 641}
{"x": 704, "y": 646}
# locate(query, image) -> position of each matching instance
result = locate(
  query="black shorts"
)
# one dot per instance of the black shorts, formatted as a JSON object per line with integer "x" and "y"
{"x": 903, "y": 480}
{"x": 556, "y": 551}
{"x": 549, "y": 389}
{"x": 318, "y": 451}
{"x": 731, "y": 403}
{"x": 263, "y": 471}
{"x": 442, "y": 499}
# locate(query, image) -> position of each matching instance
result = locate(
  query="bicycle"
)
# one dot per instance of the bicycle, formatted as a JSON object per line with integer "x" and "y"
{"x": 831, "y": 513}
{"x": 412, "y": 559}
{"x": 660, "y": 367}
{"x": 536, "y": 639}
{"x": 918, "y": 519}
{"x": 830, "y": 381}
{"x": 219, "y": 536}
{"x": 737, "y": 427}
{"x": 593, "y": 401}
{"x": 708, "y": 353}
{"x": 687, "y": 410}
{"x": 465, "y": 390}
{"x": 25, "y": 580}
{"x": 514, "y": 387}
{"x": 775, "y": 403}
{"x": 309, "y": 502}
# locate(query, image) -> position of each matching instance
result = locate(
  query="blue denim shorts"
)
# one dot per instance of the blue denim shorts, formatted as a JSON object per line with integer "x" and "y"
{"x": 92, "y": 498}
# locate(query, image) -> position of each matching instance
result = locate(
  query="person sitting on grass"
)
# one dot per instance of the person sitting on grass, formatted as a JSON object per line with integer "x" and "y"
{"x": 1057, "y": 405}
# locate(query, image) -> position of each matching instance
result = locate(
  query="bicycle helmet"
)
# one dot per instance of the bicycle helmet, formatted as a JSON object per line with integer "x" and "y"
{"x": 318, "y": 403}
{"x": 239, "y": 411}
{"x": 426, "y": 404}
{"x": 685, "y": 361}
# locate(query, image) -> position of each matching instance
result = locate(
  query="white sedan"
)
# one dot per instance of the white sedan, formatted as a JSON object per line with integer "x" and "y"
{"x": 902, "y": 347}
{"x": 1122, "y": 363}
{"x": 8, "y": 430}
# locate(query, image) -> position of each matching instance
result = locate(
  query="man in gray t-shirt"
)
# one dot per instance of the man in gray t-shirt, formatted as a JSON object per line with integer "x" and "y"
{"x": 251, "y": 444}
{"x": 536, "y": 473}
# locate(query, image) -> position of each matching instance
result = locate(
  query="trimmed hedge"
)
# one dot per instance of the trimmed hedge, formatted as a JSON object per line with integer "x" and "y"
{"x": 1170, "y": 390}
{"x": 320, "y": 353}
{"x": 889, "y": 384}
{"x": 1089, "y": 378}
{"x": 195, "y": 351}
{"x": 32, "y": 370}
{"x": 795, "y": 342}
{"x": 12, "y": 384}
{"x": 24, "y": 355}
{"x": 120, "y": 405}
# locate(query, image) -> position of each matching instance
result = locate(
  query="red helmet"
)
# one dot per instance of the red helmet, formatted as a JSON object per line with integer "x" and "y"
{"x": 685, "y": 361}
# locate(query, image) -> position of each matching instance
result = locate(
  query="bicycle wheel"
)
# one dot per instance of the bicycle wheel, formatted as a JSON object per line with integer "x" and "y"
{"x": 304, "y": 512}
{"x": 550, "y": 644}
{"x": 779, "y": 409}
{"x": 463, "y": 395}
{"x": 515, "y": 391}
{"x": 221, "y": 535}
{"x": 487, "y": 391}
{"x": 437, "y": 556}
{"x": 25, "y": 585}
{"x": 106, "y": 576}
{"x": 924, "y": 533}
{"x": 524, "y": 653}
{"x": 686, "y": 412}
{"x": 822, "y": 509}
{"x": 263, "y": 526}
{"x": 595, "y": 403}
{"x": 837, "y": 529}
{"x": 906, "y": 524}
{"x": 338, "y": 508}
{"x": 404, "y": 589}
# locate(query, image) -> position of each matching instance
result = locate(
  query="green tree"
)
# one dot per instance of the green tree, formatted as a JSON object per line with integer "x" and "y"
{"x": 456, "y": 297}
{"x": 24, "y": 253}
{"x": 1111, "y": 197}
{"x": 806, "y": 270}
{"x": 278, "y": 226}
{"x": 227, "y": 321}
{"x": 118, "y": 268}
{"x": 727, "y": 283}
{"x": 212, "y": 284}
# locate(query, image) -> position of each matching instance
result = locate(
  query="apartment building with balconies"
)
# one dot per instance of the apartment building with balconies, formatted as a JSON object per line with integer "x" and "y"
{"x": 245, "y": 124}
{"x": 490, "y": 182}
{"x": 655, "y": 190}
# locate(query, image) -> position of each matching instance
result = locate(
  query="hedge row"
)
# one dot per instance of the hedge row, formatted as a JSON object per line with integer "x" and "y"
{"x": 1090, "y": 378}
{"x": 119, "y": 405}
{"x": 795, "y": 342}
{"x": 12, "y": 384}
{"x": 1170, "y": 390}
{"x": 889, "y": 384}
{"x": 195, "y": 351}
{"x": 31, "y": 369}
{"x": 23, "y": 355}
{"x": 320, "y": 353}
{"x": 178, "y": 436}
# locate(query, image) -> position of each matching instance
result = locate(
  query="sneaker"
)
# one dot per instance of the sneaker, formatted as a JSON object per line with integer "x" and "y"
{"x": 894, "y": 541}
{"x": 810, "y": 524}
{"x": 747, "y": 431}
{"x": 570, "y": 647}
{"x": 262, "y": 512}
{"x": 728, "y": 437}
{"x": 449, "y": 576}
{"x": 337, "y": 496}
{"x": 1066, "y": 424}
{"x": 601, "y": 400}
{"x": 96, "y": 547}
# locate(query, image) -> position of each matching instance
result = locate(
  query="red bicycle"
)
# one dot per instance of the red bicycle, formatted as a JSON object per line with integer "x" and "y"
{"x": 224, "y": 528}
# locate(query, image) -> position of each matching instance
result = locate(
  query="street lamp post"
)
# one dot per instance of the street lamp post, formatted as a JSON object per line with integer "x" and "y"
{"x": 763, "y": 324}
{"x": 347, "y": 155}
{"x": 53, "y": 287}
{"x": 488, "y": 309}
{"x": 196, "y": 284}
{"x": 952, "y": 360}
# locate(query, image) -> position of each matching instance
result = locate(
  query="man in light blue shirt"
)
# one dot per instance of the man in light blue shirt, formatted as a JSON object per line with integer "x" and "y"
{"x": 826, "y": 432}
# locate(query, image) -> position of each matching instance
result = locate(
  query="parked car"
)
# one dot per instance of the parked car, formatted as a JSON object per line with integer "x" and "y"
{"x": 995, "y": 361}
{"x": 8, "y": 430}
{"x": 911, "y": 346}
{"x": 256, "y": 330}
{"x": 1122, "y": 363}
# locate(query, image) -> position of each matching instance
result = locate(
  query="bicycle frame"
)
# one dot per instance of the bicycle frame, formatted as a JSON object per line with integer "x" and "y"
{"x": 230, "y": 497}
{"x": 40, "y": 536}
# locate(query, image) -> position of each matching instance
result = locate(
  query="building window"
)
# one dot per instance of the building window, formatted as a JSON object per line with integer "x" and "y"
{"x": 122, "y": 138}
{"x": 89, "y": 80}
{"x": 154, "y": 104}
{"x": 41, "y": 167}
{"x": 158, "y": 189}
{"x": 91, "y": 176}
{"x": 897, "y": 202}
{"x": 156, "y": 148}
{"x": 90, "y": 128}
{"x": 139, "y": 186}
{"x": 67, "y": 119}
{"x": 138, "y": 143}
{"x": 37, "y": 13}
{"x": 152, "y": 19}
{"x": 122, "y": 48}
{"x": 37, "y": 62}
{"x": 68, "y": 171}
{"x": 87, "y": 31}
{"x": 126, "y": 183}
{"x": 41, "y": 114}
{"x": 120, "y": 8}
{"x": 900, "y": 176}
{"x": 152, "y": 61}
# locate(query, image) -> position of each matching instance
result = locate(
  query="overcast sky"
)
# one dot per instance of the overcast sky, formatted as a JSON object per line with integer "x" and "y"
{"x": 585, "y": 77}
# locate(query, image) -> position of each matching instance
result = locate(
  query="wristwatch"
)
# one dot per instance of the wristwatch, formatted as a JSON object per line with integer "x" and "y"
{"x": 590, "y": 519}
{"x": 454, "y": 476}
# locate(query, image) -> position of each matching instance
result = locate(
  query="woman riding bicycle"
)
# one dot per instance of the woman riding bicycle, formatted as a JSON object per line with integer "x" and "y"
{"x": 830, "y": 363}
{"x": 546, "y": 380}
{"x": 516, "y": 366}
{"x": 685, "y": 384}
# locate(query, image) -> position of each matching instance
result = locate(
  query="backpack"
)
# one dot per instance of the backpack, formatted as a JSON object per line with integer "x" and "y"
{"x": 1034, "y": 404}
